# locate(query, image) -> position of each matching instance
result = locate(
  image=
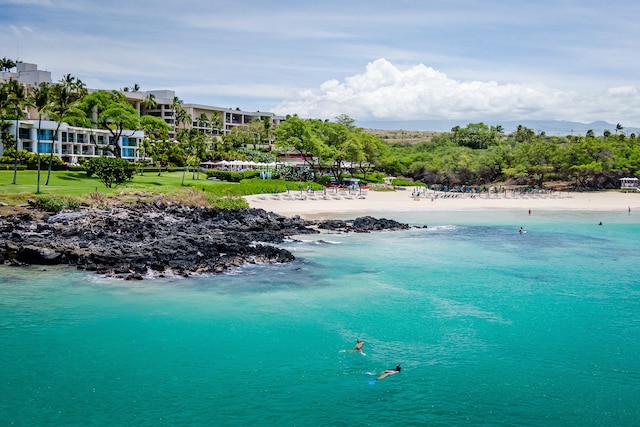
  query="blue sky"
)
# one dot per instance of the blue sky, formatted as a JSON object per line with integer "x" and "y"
{"x": 486, "y": 60}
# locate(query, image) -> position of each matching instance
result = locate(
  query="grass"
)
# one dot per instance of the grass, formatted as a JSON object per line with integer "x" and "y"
{"x": 147, "y": 186}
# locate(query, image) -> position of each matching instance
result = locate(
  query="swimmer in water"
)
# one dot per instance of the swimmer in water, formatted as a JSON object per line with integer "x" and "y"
{"x": 358, "y": 347}
{"x": 388, "y": 372}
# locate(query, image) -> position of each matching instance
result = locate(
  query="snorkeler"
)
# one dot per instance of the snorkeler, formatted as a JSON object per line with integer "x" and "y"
{"x": 388, "y": 372}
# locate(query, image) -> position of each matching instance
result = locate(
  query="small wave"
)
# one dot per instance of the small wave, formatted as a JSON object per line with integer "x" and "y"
{"x": 443, "y": 228}
{"x": 319, "y": 242}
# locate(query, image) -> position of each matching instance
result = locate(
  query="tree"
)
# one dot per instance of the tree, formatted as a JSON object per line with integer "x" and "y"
{"x": 7, "y": 64}
{"x": 134, "y": 88}
{"x": 183, "y": 118}
{"x": 346, "y": 121}
{"x": 203, "y": 122}
{"x": 536, "y": 158}
{"x": 40, "y": 98}
{"x": 216, "y": 122}
{"x": 523, "y": 134}
{"x": 110, "y": 170}
{"x": 8, "y": 142}
{"x": 110, "y": 111}
{"x": 150, "y": 102}
{"x": 475, "y": 135}
{"x": 297, "y": 135}
{"x": 17, "y": 100}
{"x": 372, "y": 148}
{"x": 194, "y": 145}
{"x": 179, "y": 113}
{"x": 156, "y": 135}
{"x": 65, "y": 97}
{"x": 238, "y": 137}
{"x": 334, "y": 137}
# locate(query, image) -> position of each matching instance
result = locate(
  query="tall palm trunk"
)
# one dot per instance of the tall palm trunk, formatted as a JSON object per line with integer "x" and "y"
{"x": 38, "y": 152}
{"x": 184, "y": 172}
{"x": 53, "y": 142}
{"x": 15, "y": 158}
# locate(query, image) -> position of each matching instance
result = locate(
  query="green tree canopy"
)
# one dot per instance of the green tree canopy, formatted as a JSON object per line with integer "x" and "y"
{"x": 110, "y": 110}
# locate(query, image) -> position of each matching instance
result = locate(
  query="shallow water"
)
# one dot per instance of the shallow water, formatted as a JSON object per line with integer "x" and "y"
{"x": 491, "y": 328}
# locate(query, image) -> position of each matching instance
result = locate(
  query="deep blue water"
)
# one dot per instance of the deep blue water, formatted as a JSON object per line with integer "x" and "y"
{"x": 492, "y": 328}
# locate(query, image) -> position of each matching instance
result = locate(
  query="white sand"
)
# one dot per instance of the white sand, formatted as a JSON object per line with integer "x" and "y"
{"x": 315, "y": 207}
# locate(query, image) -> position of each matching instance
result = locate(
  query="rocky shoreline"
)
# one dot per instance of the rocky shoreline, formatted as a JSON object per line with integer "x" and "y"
{"x": 131, "y": 241}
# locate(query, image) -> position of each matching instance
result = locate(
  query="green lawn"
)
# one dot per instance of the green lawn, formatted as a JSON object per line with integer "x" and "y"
{"x": 66, "y": 183}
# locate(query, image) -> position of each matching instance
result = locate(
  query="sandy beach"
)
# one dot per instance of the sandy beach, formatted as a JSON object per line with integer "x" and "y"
{"x": 374, "y": 202}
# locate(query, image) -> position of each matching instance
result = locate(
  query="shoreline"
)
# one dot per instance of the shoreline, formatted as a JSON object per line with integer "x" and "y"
{"x": 312, "y": 207}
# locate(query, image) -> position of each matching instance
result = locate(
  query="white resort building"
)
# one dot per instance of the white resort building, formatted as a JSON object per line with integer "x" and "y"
{"x": 73, "y": 143}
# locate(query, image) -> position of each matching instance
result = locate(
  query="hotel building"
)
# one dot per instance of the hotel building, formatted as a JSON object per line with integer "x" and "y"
{"x": 73, "y": 143}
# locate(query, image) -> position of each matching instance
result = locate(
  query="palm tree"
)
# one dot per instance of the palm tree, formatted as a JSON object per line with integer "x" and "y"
{"x": 17, "y": 101}
{"x": 195, "y": 147}
{"x": 5, "y": 136}
{"x": 182, "y": 117}
{"x": 7, "y": 64}
{"x": 216, "y": 121}
{"x": 40, "y": 97}
{"x": 65, "y": 95}
{"x": 150, "y": 102}
{"x": 618, "y": 128}
{"x": 203, "y": 121}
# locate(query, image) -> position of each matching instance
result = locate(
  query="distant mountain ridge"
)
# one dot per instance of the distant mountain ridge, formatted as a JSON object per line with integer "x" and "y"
{"x": 550, "y": 127}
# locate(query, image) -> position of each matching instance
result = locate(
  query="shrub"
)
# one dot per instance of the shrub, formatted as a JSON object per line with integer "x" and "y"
{"x": 56, "y": 204}
{"x": 112, "y": 171}
{"x": 289, "y": 173}
{"x": 232, "y": 176}
{"x": 228, "y": 202}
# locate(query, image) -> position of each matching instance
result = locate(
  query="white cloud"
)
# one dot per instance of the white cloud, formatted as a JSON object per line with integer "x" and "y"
{"x": 385, "y": 92}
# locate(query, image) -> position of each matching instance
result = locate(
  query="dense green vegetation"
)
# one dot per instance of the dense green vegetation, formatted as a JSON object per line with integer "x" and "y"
{"x": 479, "y": 155}
{"x": 474, "y": 155}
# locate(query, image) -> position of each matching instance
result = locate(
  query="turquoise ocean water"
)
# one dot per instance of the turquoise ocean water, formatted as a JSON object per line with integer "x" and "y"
{"x": 492, "y": 328}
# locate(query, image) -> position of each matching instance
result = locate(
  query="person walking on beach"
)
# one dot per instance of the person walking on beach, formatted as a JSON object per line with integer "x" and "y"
{"x": 388, "y": 372}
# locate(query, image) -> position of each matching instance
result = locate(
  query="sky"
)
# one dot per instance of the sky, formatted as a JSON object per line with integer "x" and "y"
{"x": 374, "y": 60}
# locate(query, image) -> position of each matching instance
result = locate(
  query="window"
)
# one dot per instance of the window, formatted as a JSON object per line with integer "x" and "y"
{"x": 44, "y": 147}
{"x": 45, "y": 134}
{"x": 129, "y": 142}
{"x": 128, "y": 152}
{"x": 81, "y": 138}
{"x": 24, "y": 133}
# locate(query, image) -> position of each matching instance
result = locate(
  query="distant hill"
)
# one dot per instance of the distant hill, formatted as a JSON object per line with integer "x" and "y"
{"x": 550, "y": 127}
{"x": 408, "y": 136}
